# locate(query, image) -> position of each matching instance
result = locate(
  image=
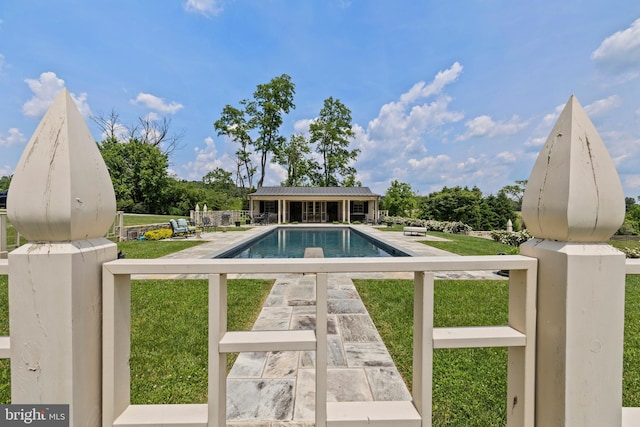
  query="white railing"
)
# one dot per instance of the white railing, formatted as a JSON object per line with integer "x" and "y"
{"x": 5, "y": 345}
{"x": 518, "y": 336}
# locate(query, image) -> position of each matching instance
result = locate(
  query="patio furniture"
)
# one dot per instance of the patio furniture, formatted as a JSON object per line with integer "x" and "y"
{"x": 178, "y": 231}
{"x": 191, "y": 229}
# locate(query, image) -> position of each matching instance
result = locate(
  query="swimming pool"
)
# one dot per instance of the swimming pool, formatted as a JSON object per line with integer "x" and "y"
{"x": 290, "y": 242}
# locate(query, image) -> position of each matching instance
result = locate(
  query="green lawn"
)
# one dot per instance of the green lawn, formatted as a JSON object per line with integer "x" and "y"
{"x": 142, "y": 249}
{"x": 469, "y": 385}
{"x": 469, "y": 245}
{"x": 168, "y": 329}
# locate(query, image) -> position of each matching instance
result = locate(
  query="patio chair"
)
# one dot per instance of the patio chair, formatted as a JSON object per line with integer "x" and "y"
{"x": 191, "y": 229}
{"x": 259, "y": 219}
{"x": 178, "y": 231}
{"x": 207, "y": 224}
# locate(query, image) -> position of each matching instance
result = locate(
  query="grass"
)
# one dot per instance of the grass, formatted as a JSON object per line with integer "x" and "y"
{"x": 621, "y": 244}
{"x": 141, "y": 249}
{"x": 469, "y": 385}
{"x": 469, "y": 245}
{"x": 169, "y": 335}
{"x": 168, "y": 329}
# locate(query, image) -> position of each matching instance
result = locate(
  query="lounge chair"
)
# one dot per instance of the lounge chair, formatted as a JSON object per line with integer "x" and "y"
{"x": 191, "y": 229}
{"x": 177, "y": 230}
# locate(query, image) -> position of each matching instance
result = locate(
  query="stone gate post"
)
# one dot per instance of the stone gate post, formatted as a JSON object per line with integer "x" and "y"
{"x": 573, "y": 204}
{"x": 63, "y": 202}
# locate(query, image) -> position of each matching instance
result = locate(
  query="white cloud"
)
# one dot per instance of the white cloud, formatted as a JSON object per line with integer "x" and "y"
{"x": 203, "y": 7}
{"x": 395, "y": 140}
{"x": 620, "y": 52}
{"x": 155, "y": 103}
{"x": 6, "y": 170}
{"x": 152, "y": 117}
{"x": 485, "y": 126}
{"x": 602, "y": 106}
{"x": 14, "y": 137}
{"x": 302, "y": 126}
{"x": 422, "y": 90}
{"x": 45, "y": 89}
{"x": 120, "y": 131}
{"x": 632, "y": 181}
{"x": 207, "y": 159}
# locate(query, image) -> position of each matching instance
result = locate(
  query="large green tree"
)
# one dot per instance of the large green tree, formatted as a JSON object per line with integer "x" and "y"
{"x": 331, "y": 132}
{"x": 399, "y": 200}
{"x": 293, "y": 156}
{"x": 516, "y": 193}
{"x": 270, "y": 102}
{"x": 262, "y": 115}
{"x": 470, "y": 207}
{"x": 233, "y": 124}
{"x": 139, "y": 174}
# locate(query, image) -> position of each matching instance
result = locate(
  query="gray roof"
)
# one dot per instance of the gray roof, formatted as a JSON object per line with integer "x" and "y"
{"x": 314, "y": 191}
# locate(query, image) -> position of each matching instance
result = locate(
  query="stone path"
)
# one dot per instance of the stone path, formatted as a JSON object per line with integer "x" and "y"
{"x": 280, "y": 386}
{"x": 277, "y": 389}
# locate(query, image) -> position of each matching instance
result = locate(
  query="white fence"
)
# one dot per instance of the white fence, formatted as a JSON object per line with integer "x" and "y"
{"x": 518, "y": 335}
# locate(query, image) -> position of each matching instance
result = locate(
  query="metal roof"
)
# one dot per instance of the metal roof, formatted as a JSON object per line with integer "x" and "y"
{"x": 314, "y": 191}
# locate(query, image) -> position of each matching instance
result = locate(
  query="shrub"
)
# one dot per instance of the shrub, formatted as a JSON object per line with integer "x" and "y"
{"x": 631, "y": 252}
{"x": 160, "y": 234}
{"x": 513, "y": 238}
{"x": 443, "y": 226}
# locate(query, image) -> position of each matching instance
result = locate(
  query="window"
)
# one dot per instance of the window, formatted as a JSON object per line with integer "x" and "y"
{"x": 358, "y": 207}
{"x": 270, "y": 206}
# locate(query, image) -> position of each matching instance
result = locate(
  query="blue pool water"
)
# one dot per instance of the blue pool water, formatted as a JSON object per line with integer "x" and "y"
{"x": 291, "y": 242}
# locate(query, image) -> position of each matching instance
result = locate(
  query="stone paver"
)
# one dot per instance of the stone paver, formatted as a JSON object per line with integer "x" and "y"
{"x": 277, "y": 389}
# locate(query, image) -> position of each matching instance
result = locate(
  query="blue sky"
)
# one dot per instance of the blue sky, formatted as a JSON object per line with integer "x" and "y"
{"x": 442, "y": 93}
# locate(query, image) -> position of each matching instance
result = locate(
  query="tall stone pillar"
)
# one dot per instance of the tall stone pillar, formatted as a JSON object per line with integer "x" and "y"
{"x": 63, "y": 202}
{"x": 573, "y": 203}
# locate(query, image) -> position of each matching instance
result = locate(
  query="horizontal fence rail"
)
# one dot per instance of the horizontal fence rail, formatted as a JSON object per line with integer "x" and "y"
{"x": 518, "y": 336}
{"x": 5, "y": 344}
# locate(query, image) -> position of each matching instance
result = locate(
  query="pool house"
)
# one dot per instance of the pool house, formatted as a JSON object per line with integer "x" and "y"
{"x": 315, "y": 204}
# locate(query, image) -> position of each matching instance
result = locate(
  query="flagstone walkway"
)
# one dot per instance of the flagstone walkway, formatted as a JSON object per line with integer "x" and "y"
{"x": 276, "y": 389}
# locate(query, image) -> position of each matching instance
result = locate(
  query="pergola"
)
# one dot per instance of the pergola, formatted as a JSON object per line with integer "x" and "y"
{"x": 316, "y": 204}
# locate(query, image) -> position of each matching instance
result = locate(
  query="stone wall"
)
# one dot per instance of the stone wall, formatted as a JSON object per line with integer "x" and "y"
{"x": 133, "y": 232}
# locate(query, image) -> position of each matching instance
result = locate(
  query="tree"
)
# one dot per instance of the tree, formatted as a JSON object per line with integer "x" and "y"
{"x": 4, "y": 182}
{"x": 516, "y": 193}
{"x": 331, "y": 131}
{"x": 148, "y": 130}
{"x": 138, "y": 172}
{"x": 219, "y": 180}
{"x": 233, "y": 124}
{"x": 293, "y": 156}
{"x": 270, "y": 101}
{"x": 399, "y": 199}
{"x": 470, "y": 207}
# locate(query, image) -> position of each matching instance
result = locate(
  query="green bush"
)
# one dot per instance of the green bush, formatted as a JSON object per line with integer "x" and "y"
{"x": 160, "y": 234}
{"x": 513, "y": 238}
{"x": 455, "y": 227}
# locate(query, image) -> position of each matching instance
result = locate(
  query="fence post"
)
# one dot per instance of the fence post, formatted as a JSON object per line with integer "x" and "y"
{"x": 122, "y": 235}
{"x": 573, "y": 204}
{"x": 63, "y": 203}
{"x": 3, "y": 235}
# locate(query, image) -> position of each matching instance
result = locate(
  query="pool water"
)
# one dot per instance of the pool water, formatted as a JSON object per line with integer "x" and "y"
{"x": 335, "y": 242}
